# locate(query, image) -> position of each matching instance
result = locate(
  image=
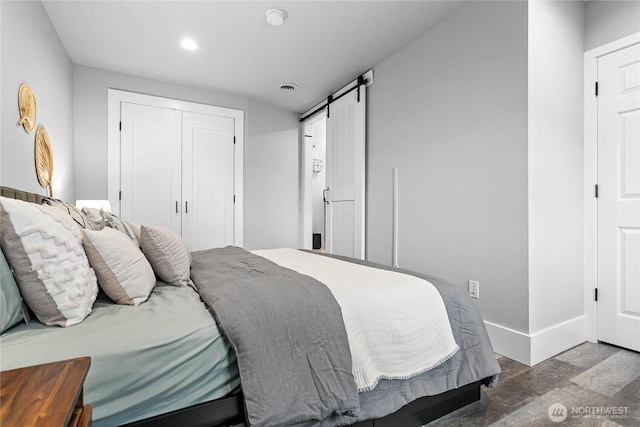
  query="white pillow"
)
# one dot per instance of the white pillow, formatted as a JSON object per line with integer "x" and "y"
{"x": 167, "y": 253}
{"x": 123, "y": 272}
{"x": 43, "y": 245}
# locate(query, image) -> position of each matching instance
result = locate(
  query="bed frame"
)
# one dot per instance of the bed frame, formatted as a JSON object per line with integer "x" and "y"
{"x": 229, "y": 411}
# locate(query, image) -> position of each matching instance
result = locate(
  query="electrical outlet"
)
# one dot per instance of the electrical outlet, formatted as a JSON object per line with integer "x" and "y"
{"x": 474, "y": 288}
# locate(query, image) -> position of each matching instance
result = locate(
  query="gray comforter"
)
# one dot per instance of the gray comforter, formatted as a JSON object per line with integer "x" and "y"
{"x": 288, "y": 334}
{"x": 475, "y": 361}
{"x": 286, "y": 382}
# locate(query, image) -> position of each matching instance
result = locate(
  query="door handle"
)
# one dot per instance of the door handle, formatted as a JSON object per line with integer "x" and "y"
{"x": 324, "y": 195}
{"x": 176, "y": 206}
{"x": 186, "y": 207}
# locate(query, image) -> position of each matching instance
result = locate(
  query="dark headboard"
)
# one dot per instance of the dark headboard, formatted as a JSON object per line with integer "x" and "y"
{"x": 12, "y": 193}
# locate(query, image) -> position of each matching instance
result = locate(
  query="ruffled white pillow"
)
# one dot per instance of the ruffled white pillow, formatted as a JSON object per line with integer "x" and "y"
{"x": 43, "y": 246}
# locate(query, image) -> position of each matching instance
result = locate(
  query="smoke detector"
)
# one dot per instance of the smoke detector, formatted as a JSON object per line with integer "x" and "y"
{"x": 275, "y": 17}
{"x": 288, "y": 87}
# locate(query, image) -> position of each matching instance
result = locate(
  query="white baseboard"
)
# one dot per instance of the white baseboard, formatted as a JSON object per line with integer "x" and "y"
{"x": 558, "y": 338}
{"x": 509, "y": 342}
{"x": 531, "y": 349}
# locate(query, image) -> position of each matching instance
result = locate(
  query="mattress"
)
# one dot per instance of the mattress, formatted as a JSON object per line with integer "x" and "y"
{"x": 220, "y": 274}
{"x": 169, "y": 353}
{"x": 162, "y": 355}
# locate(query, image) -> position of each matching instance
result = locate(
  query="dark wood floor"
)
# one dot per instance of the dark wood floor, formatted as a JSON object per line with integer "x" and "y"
{"x": 598, "y": 384}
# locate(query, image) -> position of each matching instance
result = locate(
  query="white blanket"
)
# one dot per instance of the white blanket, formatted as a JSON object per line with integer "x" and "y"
{"x": 397, "y": 324}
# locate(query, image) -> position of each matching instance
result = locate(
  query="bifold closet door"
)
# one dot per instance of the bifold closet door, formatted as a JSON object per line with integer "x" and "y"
{"x": 207, "y": 181}
{"x": 150, "y": 169}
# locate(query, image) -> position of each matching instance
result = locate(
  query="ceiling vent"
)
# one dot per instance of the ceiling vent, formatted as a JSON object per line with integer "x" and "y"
{"x": 288, "y": 87}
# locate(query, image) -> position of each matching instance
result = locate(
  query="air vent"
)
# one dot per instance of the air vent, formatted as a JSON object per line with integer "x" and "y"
{"x": 288, "y": 87}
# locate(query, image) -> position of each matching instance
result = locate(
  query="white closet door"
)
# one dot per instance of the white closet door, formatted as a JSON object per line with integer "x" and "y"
{"x": 150, "y": 165}
{"x": 345, "y": 169}
{"x": 208, "y": 173}
{"x": 619, "y": 198}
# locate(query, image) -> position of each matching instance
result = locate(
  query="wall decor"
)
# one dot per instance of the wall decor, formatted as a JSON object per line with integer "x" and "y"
{"x": 27, "y": 107}
{"x": 44, "y": 159}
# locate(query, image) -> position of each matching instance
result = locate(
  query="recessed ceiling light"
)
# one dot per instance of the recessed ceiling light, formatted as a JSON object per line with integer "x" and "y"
{"x": 189, "y": 44}
{"x": 275, "y": 17}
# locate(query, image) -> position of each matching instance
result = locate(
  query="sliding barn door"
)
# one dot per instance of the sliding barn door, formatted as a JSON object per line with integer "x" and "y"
{"x": 345, "y": 169}
{"x": 150, "y": 167}
{"x": 207, "y": 181}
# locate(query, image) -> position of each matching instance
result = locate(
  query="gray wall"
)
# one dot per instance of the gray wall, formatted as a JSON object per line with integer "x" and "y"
{"x": 32, "y": 53}
{"x": 90, "y": 87}
{"x": 450, "y": 110}
{"x": 271, "y": 178}
{"x": 608, "y": 21}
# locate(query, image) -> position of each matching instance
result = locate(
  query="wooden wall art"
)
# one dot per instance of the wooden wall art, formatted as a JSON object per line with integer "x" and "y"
{"x": 44, "y": 159}
{"x": 27, "y": 107}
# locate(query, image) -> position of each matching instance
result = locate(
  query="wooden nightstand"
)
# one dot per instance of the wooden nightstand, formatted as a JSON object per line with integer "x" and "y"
{"x": 45, "y": 395}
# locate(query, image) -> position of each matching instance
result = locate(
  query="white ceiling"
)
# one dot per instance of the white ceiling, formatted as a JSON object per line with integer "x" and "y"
{"x": 321, "y": 46}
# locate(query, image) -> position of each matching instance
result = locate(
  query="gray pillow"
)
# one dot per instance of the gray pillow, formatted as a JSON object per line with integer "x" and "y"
{"x": 112, "y": 221}
{"x": 135, "y": 228}
{"x": 123, "y": 272}
{"x": 167, "y": 253}
{"x": 10, "y": 301}
{"x": 95, "y": 217}
{"x": 43, "y": 245}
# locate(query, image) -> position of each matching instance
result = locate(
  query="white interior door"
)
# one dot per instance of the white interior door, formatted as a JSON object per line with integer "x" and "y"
{"x": 145, "y": 179}
{"x": 150, "y": 165}
{"x": 345, "y": 174}
{"x": 208, "y": 184}
{"x": 618, "y": 315}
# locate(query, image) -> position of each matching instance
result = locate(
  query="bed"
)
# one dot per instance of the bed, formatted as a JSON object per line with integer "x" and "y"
{"x": 178, "y": 357}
